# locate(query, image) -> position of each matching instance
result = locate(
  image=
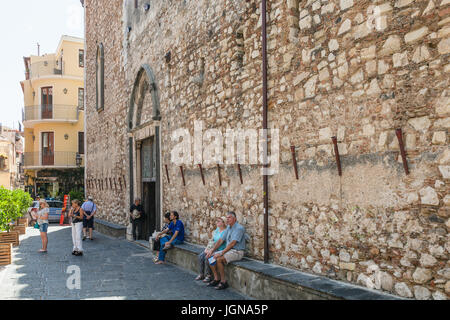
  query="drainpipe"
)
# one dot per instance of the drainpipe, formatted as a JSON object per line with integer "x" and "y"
{"x": 264, "y": 88}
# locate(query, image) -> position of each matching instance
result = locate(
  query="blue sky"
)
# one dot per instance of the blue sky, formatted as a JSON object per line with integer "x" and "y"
{"x": 23, "y": 24}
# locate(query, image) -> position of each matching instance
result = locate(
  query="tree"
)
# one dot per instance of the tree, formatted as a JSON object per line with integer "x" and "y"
{"x": 13, "y": 205}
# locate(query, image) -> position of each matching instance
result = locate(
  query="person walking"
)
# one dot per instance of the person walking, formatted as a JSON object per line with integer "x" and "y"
{"x": 136, "y": 218}
{"x": 205, "y": 270}
{"x": 77, "y": 227}
{"x": 42, "y": 219}
{"x": 177, "y": 227}
{"x": 88, "y": 209}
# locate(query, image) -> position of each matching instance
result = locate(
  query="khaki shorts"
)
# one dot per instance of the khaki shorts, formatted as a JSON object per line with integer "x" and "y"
{"x": 233, "y": 255}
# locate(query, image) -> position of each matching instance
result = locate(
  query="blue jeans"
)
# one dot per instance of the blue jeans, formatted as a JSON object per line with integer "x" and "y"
{"x": 162, "y": 241}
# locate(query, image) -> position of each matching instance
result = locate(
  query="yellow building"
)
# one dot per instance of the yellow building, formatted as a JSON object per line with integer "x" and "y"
{"x": 54, "y": 120}
{"x": 11, "y": 150}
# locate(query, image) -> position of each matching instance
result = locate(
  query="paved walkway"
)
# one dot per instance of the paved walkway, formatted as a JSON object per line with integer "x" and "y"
{"x": 110, "y": 269}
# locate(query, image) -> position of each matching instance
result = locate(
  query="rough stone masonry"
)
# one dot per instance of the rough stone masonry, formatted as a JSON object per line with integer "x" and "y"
{"x": 357, "y": 70}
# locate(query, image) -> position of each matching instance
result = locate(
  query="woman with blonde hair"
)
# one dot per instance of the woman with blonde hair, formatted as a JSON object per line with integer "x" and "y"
{"x": 42, "y": 219}
{"x": 205, "y": 271}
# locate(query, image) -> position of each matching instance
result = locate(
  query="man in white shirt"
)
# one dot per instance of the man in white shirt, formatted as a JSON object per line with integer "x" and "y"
{"x": 89, "y": 209}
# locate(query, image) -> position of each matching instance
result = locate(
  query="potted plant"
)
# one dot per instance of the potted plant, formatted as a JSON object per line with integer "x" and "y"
{"x": 5, "y": 253}
{"x": 13, "y": 204}
{"x": 23, "y": 201}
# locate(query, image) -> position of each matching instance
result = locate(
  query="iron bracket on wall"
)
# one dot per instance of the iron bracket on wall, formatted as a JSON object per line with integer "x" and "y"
{"x": 167, "y": 174}
{"x": 240, "y": 172}
{"x": 336, "y": 153}
{"x": 399, "y": 134}
{"x": 201, "y": 172}
{"x": 294, "y": 161}
{"x": 182, "y": 175}
{"x": 220, "y": 176}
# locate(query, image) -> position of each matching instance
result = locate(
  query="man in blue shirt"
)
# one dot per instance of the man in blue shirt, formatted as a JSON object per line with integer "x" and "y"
{"x": 89, "y": 209}
{"x": 177, "y": 228}
{"x": 234, "y": 237}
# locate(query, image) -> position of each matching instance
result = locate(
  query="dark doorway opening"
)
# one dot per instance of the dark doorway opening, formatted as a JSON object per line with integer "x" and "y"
{"x": 150, "y": 194}
{"x": 148, "y": 197}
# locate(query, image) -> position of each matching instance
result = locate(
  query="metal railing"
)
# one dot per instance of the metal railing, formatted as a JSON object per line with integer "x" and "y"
{"x": 51, "y": 112}
{"x": 53, "y": 159}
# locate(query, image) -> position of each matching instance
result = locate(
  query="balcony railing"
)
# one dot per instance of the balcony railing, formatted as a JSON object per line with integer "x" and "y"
{"x": 45, "y": 68}
{"x": 51, "y": 112}
{"x": 53, "y": 159}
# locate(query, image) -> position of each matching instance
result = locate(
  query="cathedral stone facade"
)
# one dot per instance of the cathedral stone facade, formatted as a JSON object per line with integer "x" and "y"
{"x": 358, "y": 111}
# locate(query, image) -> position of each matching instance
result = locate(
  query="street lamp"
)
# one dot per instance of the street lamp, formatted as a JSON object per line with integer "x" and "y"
{"x": 78, "y": 160}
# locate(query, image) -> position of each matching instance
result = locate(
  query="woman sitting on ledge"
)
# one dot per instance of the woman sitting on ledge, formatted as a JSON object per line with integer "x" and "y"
{"x": 177, "y": 228}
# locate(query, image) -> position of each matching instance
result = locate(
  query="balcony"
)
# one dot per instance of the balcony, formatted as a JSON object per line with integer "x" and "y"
{"x": 51, "y": 113}
{"x": 45, "y": 68}
{"x": 57, "y": 159}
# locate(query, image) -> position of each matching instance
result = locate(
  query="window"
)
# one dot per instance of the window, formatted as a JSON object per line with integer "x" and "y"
{"x": 81, "y": 98}
{"x": 100, "y": 67}
{"x": 81, "y": 142}
{"x": 2, "y": 163}
{"x": 81, "y": 58}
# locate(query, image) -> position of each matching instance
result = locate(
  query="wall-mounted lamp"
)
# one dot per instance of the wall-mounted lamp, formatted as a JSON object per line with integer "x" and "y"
{"x": 66, "y": 136}
{"x": 65, "y": 90}
{"x": 146, "y": 7}
{"x": 34, "y": 138}
{"x": 129, "y": 29}
{"x": 34, "y": 94}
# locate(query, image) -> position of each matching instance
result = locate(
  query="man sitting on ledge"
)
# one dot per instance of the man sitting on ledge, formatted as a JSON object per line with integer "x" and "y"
{"x": 234, "y": 237}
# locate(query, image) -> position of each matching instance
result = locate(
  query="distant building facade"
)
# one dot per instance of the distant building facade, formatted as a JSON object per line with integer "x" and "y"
{"x": 11, "y": 158}
{"x": 54, "y": 120}
{"x": 342, "y": 75}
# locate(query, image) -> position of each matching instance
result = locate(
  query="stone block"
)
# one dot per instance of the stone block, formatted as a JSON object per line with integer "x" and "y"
{"x": 439, "y": 137}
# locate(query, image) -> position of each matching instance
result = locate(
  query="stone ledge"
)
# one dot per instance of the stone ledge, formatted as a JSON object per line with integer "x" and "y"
{"x": 267, "y": 281}
{"x": 109, "y": 228}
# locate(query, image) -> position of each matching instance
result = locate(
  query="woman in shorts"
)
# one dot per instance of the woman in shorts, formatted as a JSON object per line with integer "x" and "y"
{"x": 42, "y": 219}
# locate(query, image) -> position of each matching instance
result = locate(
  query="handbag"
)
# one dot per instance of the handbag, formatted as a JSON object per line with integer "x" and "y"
{"x": 136, "y": 214}
{"x": 36, "y": 226}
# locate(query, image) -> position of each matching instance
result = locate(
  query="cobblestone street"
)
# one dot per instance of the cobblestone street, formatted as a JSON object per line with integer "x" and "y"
{"x": 110, "y": 269}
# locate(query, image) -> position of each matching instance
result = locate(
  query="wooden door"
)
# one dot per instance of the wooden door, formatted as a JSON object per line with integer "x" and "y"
{"x": 48, "y": 151}
{"x": 47, "y": 102}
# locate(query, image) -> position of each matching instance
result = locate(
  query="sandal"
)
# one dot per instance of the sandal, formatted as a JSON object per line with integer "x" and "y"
{"x": 199, "y": 277}
{"x": 213, "y": 283}
{"x": 221, "y": 286}
{"x": 207, "y": 279}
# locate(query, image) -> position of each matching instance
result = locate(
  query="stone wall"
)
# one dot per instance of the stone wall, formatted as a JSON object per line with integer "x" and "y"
{"x": 106, "y": 130}
{"x": 336, "y": 68}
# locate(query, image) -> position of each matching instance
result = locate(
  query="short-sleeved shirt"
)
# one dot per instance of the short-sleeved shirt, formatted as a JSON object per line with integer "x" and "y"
{"x": 237, "y": 232}
{"x": 41, "y": 213}
{"x": 178, "y": 226}
{"x": 89, "y": 206}
{"x": 217, "y": 234}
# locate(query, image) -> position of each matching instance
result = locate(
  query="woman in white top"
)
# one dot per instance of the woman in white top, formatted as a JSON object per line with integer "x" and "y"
{"x": 42, "y": 220}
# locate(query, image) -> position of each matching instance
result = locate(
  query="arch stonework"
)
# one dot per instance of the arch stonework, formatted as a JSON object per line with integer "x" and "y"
{"x": 144, "y": 84}
{"x": 143, "y": 125}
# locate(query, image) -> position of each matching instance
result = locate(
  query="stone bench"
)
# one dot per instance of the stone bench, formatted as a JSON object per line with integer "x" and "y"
{"x": 267, "y": 281}
{"x": 110, "y": 229}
